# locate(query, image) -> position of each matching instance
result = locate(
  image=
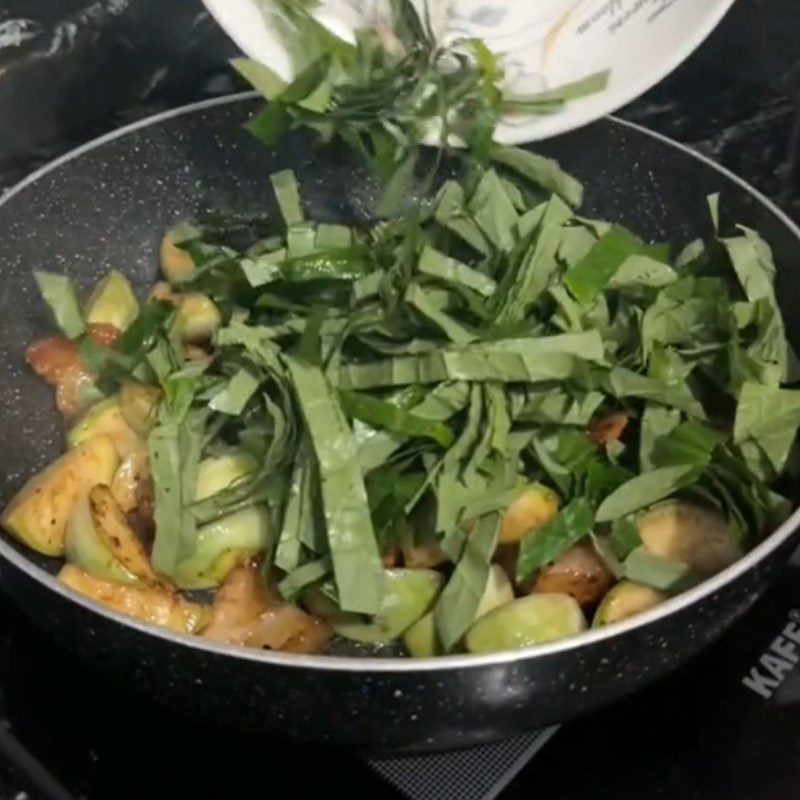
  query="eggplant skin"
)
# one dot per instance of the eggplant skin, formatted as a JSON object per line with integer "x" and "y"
{"x": 39, "y": 513}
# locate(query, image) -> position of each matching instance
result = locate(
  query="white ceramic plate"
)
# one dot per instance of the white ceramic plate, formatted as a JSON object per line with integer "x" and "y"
{"x": 543, "y": 43}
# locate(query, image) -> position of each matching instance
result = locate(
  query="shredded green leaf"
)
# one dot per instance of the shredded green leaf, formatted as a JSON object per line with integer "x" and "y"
{"x": 61, "y": 296}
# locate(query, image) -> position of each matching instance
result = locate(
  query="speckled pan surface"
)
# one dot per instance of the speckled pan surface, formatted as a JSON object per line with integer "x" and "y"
{"x": 105, "y": 207}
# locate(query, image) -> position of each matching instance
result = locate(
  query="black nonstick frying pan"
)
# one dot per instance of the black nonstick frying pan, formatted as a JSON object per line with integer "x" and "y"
{"x": 106, "y": 205}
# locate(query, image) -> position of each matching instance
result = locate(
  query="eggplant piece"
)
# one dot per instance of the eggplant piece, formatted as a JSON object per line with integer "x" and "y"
{"x": 626, "y": 600}
{"x": 231, "y": 540}
{"x": 132, "y": 481}
{"x": 198, "y": 318}
{"x": 216, "y": 474}
{"x": 117, "y": 535}
{"x": 498, "y": 591}
{"x": 107, "y": 418}
{"x": 222, "y": 545}
{"x": 147, "y": 603}
{"x": 245, "y": 612}
{"x": 112, "y": 303}
{"x": 139, "y": 404}
{"x": 408, "y": 595}
{"x": 421, "y": 639}
{"x": 692, "y": 535}
{"x": 580, "y": 572}
{"x": 536, "y": 506}
{"x": 534, "y": 619}
{"x": 39, "y": 512}
{"x": 176, "y": 264}
{"x": 84, "y": 548}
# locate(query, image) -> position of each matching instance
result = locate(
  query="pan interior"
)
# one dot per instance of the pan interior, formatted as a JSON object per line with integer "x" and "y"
{"x": 106, "y": 206}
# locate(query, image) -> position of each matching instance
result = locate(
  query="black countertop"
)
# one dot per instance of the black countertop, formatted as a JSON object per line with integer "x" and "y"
{"x": 71, "y": 69}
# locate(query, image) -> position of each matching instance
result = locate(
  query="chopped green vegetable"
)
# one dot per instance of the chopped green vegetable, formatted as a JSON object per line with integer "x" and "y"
{"x": 766, "y": 418}
{"x": 601, "y": 264}
{"x": 175, "y": 445}
{"x": 459, "y": 602}
{"x": 393, "y": 418}
{"x": 545, "y": 544}
{"x": 663, "y": 574}
{"x": 354, "y": 552}
{"x": 61, "y": 296}
{"x": 542, "y": 171}
{"x": 530, "y": 620}
{"x": 646, "y": 489}
{"x": 284, "y": 184}
{"x": 233, "y": 397}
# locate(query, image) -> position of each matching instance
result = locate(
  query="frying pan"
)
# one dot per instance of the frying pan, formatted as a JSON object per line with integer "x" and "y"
{"x": 106, "y": 204}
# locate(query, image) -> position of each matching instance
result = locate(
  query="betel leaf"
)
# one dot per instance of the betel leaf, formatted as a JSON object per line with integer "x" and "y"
{"x": 175, "y": 449}
{"x": 381, "y": 414}
{"x": 512, "y": 360}
{"x": 543, "y": 171}
{"x": 768, "y": 417}
{"x": 752, "y": 261}
{"x": 690, "y": 442}
{"x": 296, "y": 511}
{"x": 399, "y": 190}
{"x": 494, "y": 212}
{"x": 451, "y": 213}
{"x": 556, "y": 407}
{"x": 555, "y": 98}
{"x": 624, "y": 537}
{"x": 287, "y": 193}
{"x": 593, "y": 273}
{"x": 662, "y": 574}
{"x": 153, "y": 320}
{"x": 761, "y": 351}
{"x": 376, "y": 446}
{"x": 61, "y": 295}
{"x": 234, "y": 395}
{"x": 626, "y": 383}
{"x": 356, "y": 561}
{"x": 713, "y": 208}
{"x": 638, "y": 271}
{"x": 564, "y": 455}
{"x": 667, "y": 365}
{"x": 456, "y": 607}
{"x": 416, "y": 297}
{"x": 302, "y": 577}
{"x": 687, "y": 312}
{"x": 260, "y": 77}
{"x": 646, "y": 489}
{"x": 522, "y": 288}
{"x": 437, "y": 265}
{"x": 546, "y": 543}
{"x": 657, "y": 421}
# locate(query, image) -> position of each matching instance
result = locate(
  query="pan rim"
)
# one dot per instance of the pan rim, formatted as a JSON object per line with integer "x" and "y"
{"x": 387, "y": 666}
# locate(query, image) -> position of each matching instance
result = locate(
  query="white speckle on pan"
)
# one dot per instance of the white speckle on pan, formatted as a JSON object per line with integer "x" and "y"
{"x": 13, "y": 32}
